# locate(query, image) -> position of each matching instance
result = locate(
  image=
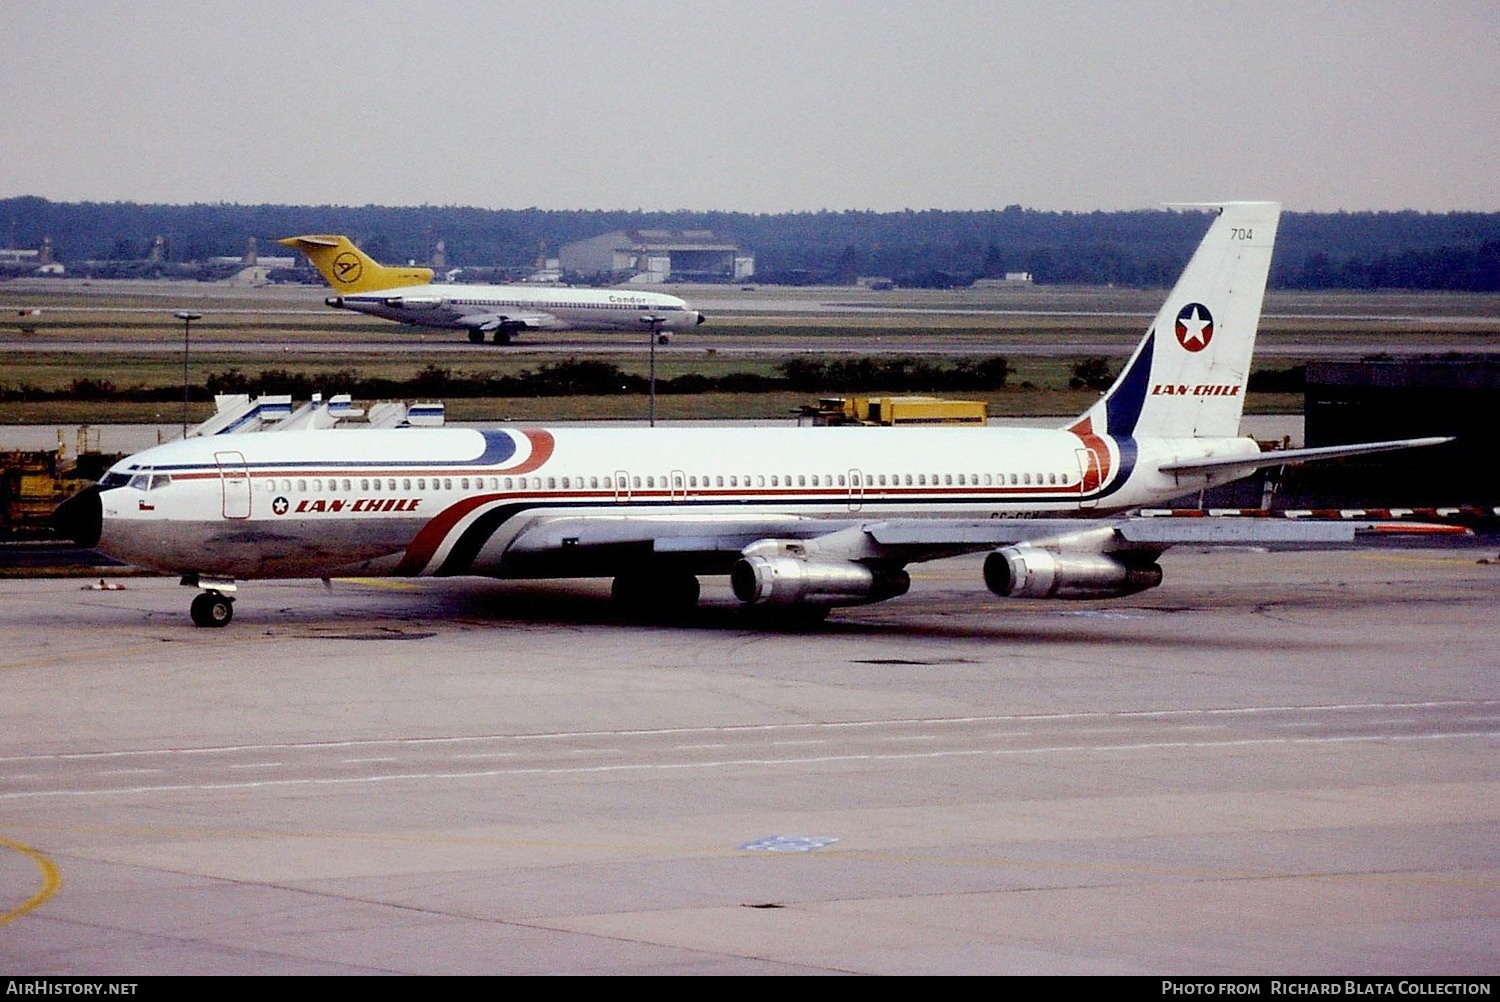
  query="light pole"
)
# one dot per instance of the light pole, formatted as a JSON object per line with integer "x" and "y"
{"x": 187, "y": 317}
{"x": 652, "y": 323}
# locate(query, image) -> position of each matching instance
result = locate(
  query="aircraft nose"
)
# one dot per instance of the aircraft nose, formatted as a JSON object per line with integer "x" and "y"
{"x": 81, "y": 517}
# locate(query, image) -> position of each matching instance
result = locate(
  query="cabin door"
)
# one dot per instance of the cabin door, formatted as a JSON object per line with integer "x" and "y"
{"x": 1088, "y": 477}
{"x": 856, "y": 490}
{"x": 234, "y": 480}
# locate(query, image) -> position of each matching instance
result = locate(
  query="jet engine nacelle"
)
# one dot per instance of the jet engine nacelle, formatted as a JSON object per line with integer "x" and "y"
{"x": 779, "y": 580}
{"x": 414, "y": 302}
{"x": 1026, "y": 572}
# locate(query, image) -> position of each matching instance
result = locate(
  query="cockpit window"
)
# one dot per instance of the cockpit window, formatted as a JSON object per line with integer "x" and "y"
{"x": 114, "y": 480}
{"x": 141, "y": 481}
{"x": 159, "y": 481}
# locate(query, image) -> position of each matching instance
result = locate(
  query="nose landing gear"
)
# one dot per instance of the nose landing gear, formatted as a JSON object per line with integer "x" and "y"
{"x": 214, "y": 605}
{"x": 212, "y": 609}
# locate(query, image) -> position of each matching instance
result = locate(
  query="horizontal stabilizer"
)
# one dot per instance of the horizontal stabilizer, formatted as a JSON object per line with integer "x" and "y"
{"x": 1291, "y": 457}
{"x": 311, "y": 240}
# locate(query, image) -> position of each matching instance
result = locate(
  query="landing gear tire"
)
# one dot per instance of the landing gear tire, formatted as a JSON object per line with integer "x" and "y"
{"x": 476, "y": 337}
{"x": 212, "y": 609}
{"x": 501, "y": 337}
{"x": 678, "y": 593}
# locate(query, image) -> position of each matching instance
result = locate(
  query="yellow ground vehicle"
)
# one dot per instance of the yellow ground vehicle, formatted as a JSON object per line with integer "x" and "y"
{"x": 894, "y": 411}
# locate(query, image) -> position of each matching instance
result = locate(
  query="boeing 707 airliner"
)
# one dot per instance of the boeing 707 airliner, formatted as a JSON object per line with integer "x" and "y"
{"x": 801, "y": 519}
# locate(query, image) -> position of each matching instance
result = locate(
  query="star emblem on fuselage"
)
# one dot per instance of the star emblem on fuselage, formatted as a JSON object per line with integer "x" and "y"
{"x": 1194, "y": 327}
{"x": 280, "y": 506}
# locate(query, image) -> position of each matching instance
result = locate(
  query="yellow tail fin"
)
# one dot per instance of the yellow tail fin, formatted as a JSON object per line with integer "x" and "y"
{"x": 349, "y": 269}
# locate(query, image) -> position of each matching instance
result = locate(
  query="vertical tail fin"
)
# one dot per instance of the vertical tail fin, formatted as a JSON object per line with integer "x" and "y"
{"x": 1187, "y": 377}
{"x": 348, "y": 269}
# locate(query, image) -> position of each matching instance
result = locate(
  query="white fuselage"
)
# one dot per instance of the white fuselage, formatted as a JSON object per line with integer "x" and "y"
{"x": 454, "y": 500}
{"x": 487, "y": 307}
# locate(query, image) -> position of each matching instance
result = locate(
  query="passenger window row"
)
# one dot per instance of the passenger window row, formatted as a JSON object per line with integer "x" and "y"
{"x": 621, "y": 481}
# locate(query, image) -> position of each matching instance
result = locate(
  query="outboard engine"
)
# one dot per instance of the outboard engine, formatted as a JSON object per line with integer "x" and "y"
{"x": 1033, "y": 572}
{"x": 414, "y": 302}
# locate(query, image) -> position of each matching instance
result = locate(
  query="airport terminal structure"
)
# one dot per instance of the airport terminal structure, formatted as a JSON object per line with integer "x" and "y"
{"x": 656, "y": 256}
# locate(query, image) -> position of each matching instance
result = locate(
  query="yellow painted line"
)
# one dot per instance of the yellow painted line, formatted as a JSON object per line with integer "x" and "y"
{"x": 1395, "y": 558}
{"x": 51, "y": 880}
{"x": 395, "y": 585}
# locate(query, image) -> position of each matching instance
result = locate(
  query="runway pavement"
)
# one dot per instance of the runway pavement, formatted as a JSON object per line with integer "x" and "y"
{"x": 1275, "y": 763}
{"x": 135, "y": 319}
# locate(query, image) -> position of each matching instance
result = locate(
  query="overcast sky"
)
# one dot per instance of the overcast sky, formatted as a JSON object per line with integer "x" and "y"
{"x": 758, "y": 107}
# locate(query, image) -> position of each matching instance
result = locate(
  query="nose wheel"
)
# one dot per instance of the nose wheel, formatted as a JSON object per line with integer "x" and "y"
{"x": 212, "y": 608}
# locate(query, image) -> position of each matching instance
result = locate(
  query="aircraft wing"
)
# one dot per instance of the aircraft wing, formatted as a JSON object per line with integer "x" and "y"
{"x": 816, "y": 563}
{"x": 912, "y": 539}
{"x": 495, "y": 321}
{"x": 713, "y": 543}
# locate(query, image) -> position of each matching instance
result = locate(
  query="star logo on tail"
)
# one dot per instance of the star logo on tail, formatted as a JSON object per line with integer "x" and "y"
{"x": 1194, "y": 327}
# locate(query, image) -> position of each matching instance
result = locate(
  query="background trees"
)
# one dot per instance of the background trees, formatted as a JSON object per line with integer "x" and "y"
{"x": 929, "y": 248}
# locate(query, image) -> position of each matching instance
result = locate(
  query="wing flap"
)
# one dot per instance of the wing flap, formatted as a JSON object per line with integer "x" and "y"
{"x": 665, "y": 534}
{"x": 975, "y": 534}
{"x": 1267, "y": 530}
{"x": 1231, "y": 531}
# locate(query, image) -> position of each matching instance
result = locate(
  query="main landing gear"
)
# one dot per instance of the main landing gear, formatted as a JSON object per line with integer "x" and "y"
{"x": 501, "y": 336}
{"x": 655, "y": 595}
{"x": 214, "y": 605}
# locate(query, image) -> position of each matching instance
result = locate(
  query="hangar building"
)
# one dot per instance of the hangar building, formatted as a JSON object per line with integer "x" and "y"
{"x": 1385, "y": 400}
{"x": 650, "y": 256}
{"x": 1374, "y": 401}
